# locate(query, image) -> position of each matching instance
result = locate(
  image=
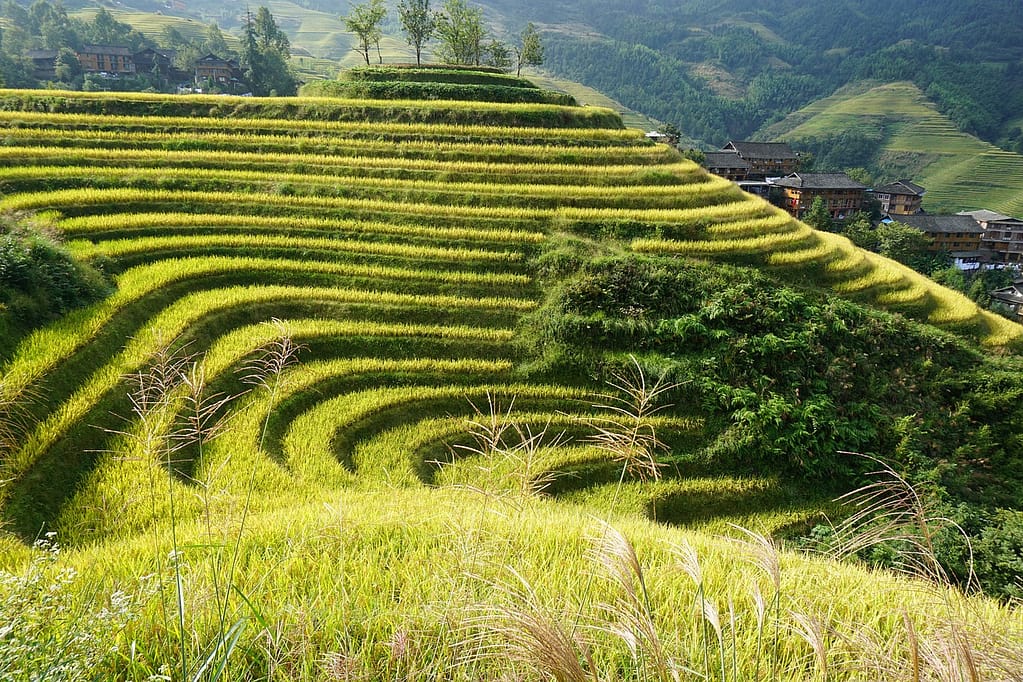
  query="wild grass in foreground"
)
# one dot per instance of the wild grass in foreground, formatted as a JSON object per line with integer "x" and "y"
{"x": 493, "y": 581}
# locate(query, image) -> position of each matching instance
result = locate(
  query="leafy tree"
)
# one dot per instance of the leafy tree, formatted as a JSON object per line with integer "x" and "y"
{"x": 860, "y": 231}
{"x": 67, "y": 65}
{"x": 461, "y": 32}
{"x": 529, "y": 51}
{"x": 418, "y": 23}
{"x": 909, "y": 246}
{"x": 265, "y": 53}
{"x": 497, "y": 54}
{"x": 817, "y": 215}
{"x": 213, "y": 42}
{"x": 365, "y": 22}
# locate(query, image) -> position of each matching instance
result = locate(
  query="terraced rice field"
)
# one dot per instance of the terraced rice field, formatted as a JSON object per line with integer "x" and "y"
{"x": 959, "y": 171}
{"x": 349, "y": 223}
{"x": 357, "y": 286}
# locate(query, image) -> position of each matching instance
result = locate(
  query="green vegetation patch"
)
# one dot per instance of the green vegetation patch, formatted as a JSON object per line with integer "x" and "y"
{"x": 416, "y": 90}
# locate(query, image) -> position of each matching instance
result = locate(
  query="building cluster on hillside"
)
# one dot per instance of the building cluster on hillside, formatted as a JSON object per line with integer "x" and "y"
{"x": 114, "y": 62}
{"x": 974, "y": 239}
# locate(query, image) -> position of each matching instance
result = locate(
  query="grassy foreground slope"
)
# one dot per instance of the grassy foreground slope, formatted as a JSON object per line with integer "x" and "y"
{"x": 959, "y": 171}
{"x": 306, "y": 437}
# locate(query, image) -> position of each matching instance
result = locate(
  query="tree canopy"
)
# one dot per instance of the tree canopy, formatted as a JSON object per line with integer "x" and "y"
{"x": 418, "y": 23}
{"x": 265, "y": 53}
{"x": 365, "y": 21}
{"x": 529, "y": 51}
{"x": 461, "y": 32}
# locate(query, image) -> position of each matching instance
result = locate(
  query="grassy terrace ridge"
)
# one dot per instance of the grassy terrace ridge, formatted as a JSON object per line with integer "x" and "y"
{"x": 437, "y": 390}
{"x": 312, "y": 108}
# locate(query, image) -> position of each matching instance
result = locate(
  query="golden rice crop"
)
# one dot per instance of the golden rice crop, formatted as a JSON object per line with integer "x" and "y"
{"x": 341, "y": 165}
{"x": 170, "y": 322}
{"x": 89, "y": 197}
{"x": 763, "y": 244}
{"x": 152, "y": 245}
{"x": 494, "y": 191}
{"x": 565, "y": 151}
{"x": 91, "y": 225}
{"x": 44, "y": 348}
{"x": 168, "y": 124}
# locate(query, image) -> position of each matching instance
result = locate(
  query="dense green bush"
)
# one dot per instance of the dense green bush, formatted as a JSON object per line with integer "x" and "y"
{"x": 39, "y": 280}
{"x": 789, "y": 380}
{"x": 435, "y": 75}
{"x": 414, "y": 90}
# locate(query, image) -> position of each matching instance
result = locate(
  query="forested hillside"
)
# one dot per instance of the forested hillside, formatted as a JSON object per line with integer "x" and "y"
{"x": 723, "y": 69}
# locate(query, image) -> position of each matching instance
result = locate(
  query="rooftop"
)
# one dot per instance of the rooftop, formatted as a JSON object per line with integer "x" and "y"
{"x": 902, "y": 187}
{"x": 761, "y": 150}
{"x": 724, "y": 160}
{"x": 935, "y": 224}
{"x": 818, "y": 181}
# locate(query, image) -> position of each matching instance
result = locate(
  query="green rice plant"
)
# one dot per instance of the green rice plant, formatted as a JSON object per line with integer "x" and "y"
{"x": 374, "y": 165}
{"x": 170, "y": 124}
{"x": 90, "y": 226}
{"x": 120, "y": 248}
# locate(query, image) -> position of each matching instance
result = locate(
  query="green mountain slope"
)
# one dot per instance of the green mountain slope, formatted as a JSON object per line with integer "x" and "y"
{"x": 913, "y": 140}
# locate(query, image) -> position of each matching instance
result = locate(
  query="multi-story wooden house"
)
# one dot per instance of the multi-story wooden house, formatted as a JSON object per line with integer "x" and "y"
{"x": 726, "y": 164}
{"x": 765, "y": 159}
{"x": 1003, "y": 235}
{"x": 958, "y": 235}
{"x": 106, "y": 59}
{"x": 900, "y": 198}
{"x": 214, "y": 69}
{"x": 841, "y": 194}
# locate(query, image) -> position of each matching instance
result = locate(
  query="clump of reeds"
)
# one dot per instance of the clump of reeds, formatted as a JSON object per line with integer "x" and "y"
{"x": 625, "y": 430}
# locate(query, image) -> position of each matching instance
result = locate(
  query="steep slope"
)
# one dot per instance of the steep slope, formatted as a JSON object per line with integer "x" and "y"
{"x": 360, "y": 277}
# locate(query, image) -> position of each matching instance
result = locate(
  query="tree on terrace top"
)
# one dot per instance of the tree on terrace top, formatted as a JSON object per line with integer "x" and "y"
{"x": 365, "y": 22}
{"x": 418, "y": 22}
{"x": 461, "y": 32}
{"x": 529, "y": 51}
{"x": 265, "y": 53}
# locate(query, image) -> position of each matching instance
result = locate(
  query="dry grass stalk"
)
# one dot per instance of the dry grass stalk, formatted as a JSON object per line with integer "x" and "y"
{"x": 813, "y": 631}
{"x": 631, "y": 615}
{"x": 627, "y": 432}
{"x": 501, "y": 442}
{"x": 522, "y": 630}
{"x": 891, "y": 509}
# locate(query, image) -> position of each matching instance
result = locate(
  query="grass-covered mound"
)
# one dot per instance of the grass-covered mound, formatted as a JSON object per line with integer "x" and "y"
{"x": 793, "y": 382}
{"x": 418, "y": 83}
{"x": 39, "y": 279}
{"x": 350, "y": 370}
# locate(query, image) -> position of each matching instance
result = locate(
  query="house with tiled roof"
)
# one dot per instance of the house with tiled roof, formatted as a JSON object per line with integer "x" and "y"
{"x": 1002, "y": 234}
{"x": 765, "y": 159}
{"x": 726, "y": 164}
{"x": 841, "y": 194}
{"x": 901, "y": 197}
{"x": 106, "y": 59}
{"x": 958, "y": 235}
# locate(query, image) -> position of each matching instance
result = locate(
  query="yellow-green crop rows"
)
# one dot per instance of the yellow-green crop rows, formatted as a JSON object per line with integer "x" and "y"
{"x": 392, "y": 260}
